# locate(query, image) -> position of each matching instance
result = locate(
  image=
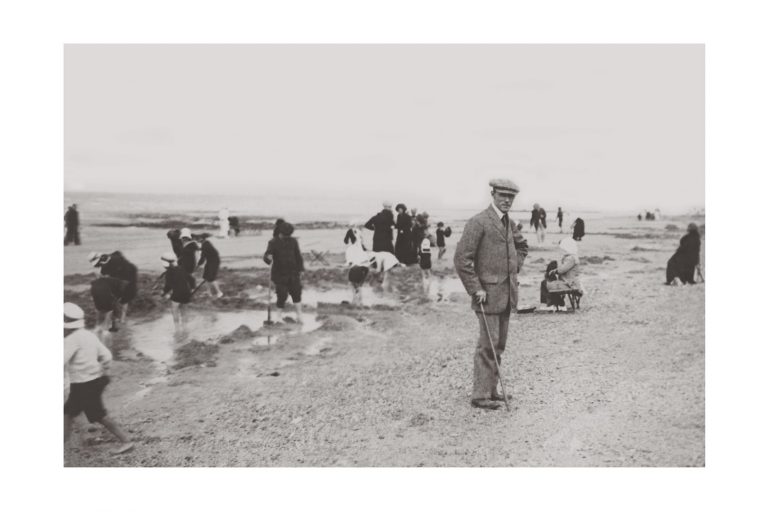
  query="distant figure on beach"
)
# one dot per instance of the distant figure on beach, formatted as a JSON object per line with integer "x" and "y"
{"x": 381, "y": 224}
{"x": 404, "y": 244}
{"x": 224, "y": 223}
{"x": 539, "y": 222}
{"x": 356, "y": 251}
{"x": 86, "y": 362}
{"x": 442, "y": 233}
{"x": 560, "y": 218}
{"x": 178, "y": 288}
{"x": 234, "y": 225}
{"x": 116, "y": 265}
{"x": 488, "y": 258}
{"x": 418, "y": 232}
{"x": 681, "y": 267}
{"x": 189, "y": 252}
{"x": 657, "y": 214}
{"x": 72, "y": 225}
{"x": 649, "y": 216}
{"x": 425, "y": 260}
{"x": 353, "y": 236}
{"x": 578, "y": 229}
{"x": 211, "y": 261}
{"x": 284, "y": 255}
{"x": 639, "y": 216}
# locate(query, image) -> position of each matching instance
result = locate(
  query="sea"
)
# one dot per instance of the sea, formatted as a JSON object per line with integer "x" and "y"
{"x": 100, "y": 207}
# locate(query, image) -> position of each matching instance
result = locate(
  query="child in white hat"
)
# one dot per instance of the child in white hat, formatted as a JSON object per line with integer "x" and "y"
{"x": 86, "y": 361}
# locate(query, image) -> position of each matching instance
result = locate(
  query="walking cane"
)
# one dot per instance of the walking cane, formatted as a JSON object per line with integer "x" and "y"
{"x": 495, "y": 359}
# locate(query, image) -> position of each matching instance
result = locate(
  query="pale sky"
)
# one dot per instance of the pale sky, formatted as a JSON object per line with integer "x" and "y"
{"x": 581, "y": 126}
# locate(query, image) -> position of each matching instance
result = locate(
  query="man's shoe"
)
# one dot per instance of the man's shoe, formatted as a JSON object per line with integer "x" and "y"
{"x": 484, "y": 403}
{"x": 496, "y": 397}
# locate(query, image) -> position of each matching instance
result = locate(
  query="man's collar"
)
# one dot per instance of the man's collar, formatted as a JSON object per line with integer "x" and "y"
{"x": 496, "y": 209}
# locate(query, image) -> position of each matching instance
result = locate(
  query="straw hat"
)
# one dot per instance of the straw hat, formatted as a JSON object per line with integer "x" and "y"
{"x": 74, "y": 317}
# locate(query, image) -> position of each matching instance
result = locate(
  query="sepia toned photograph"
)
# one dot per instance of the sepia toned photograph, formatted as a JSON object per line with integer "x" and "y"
{"x": 393, "y": 255}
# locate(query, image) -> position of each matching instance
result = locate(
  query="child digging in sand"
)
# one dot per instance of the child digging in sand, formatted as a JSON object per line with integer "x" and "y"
{"x": 356, "y": 276}
{"x": 86, "y": 362}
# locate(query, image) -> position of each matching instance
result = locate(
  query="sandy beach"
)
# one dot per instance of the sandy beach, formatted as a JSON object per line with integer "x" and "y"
{"x": 618, "y": 383}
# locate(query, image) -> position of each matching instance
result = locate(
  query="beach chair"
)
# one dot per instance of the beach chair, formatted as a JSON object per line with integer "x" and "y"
{"x": 574, "y": 297}
{"x": 561, "y": 289}
{"x": 318, "y": 257}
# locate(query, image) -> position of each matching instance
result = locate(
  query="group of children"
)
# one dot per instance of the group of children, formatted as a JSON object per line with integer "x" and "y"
{"x": 413, "y": 245}
{"x": 188, "y": 253}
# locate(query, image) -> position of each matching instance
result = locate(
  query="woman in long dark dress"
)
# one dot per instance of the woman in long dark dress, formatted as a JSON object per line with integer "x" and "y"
{"x": 683, "y": 263}
{"x": 381, "y": 224}
{"x": 404, "y": 243}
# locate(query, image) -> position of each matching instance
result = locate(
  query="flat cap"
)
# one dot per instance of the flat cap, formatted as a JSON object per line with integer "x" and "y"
{"x": 503, "y": 185}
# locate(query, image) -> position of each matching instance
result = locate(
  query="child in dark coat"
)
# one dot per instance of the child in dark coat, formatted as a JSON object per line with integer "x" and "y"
{"x": 178, "y": 288}
{"x": 284, "y": 255}
{"x": 209, "y": 258}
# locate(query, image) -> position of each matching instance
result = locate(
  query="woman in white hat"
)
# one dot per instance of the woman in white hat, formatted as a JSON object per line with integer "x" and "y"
{"x": 86, "y": 361}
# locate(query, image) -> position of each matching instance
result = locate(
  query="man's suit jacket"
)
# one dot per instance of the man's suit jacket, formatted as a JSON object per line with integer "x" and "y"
{"x": 488, "y": 257}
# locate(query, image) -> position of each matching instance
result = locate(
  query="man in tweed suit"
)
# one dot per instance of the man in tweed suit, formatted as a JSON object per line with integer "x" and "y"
{"x": 488, "y": 257}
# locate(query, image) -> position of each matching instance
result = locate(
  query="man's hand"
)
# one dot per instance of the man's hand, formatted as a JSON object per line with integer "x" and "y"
{"x": 481, "y": 296}
{"x": 167, "y": 296}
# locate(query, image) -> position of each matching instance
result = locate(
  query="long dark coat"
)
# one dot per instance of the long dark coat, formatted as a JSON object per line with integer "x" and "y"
{"x": 381, "y": 224}
{"x": 683, "y": 263}
{"x": 404, "y": 248}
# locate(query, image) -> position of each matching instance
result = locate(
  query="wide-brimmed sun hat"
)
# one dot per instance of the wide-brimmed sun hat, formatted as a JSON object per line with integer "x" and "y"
{"x": 74, "y": 317}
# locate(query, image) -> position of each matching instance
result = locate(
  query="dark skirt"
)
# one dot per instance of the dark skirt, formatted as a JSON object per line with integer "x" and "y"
{"x": 211, "y": 270}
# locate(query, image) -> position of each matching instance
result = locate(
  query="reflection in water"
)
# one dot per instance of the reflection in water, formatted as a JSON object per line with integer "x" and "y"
{"x": 158, "y": 340}
{"x": 312, "y": 296}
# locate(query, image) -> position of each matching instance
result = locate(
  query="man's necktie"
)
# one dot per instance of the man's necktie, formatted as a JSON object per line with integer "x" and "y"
{"x": 505, "y": 221}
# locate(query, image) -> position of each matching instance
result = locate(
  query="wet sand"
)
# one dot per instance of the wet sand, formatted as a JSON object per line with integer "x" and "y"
{"x": 618, "y": 383}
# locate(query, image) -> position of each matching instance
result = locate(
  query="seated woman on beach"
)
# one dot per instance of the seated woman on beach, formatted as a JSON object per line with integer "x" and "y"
{"x": 681, "y": 267}
{"x": 567, "y": 270}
